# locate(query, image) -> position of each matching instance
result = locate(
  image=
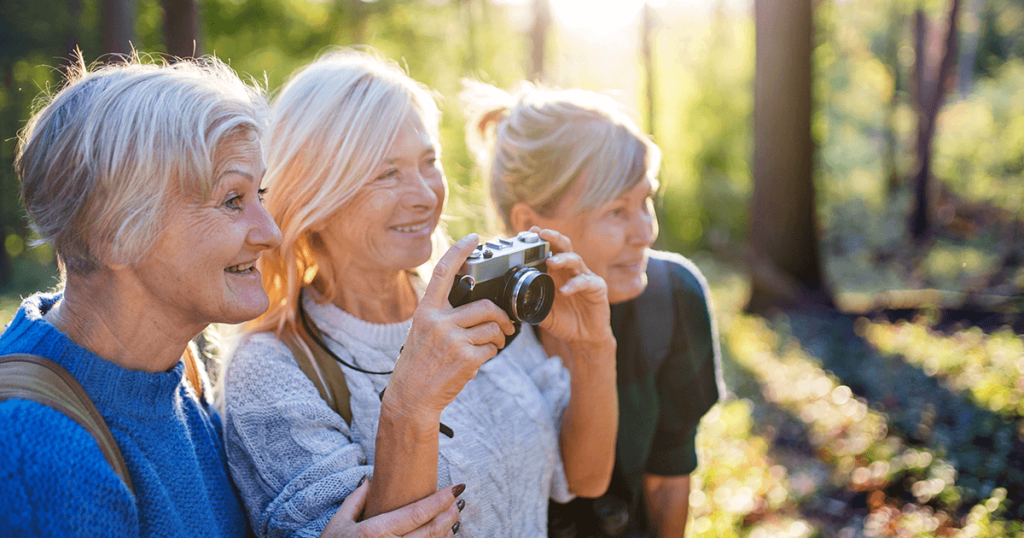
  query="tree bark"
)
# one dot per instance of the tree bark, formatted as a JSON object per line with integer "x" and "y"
{"x": 783, "y": 226}
{"x": 181, "y": 28}
{"x": 538, "y": 38}
{"x": 930, "y": 94}
{"x": 646, "y": 50}
{"x": 117, "y": 23}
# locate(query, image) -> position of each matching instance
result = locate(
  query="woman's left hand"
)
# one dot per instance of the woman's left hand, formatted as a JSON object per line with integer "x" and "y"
{"x": 580, "y": 313}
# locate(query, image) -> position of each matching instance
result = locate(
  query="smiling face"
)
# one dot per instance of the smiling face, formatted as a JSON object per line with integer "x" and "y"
{"x": 201, "y": 271}
{"x": 388, "y": 223}
{"x": 612, "y": 239}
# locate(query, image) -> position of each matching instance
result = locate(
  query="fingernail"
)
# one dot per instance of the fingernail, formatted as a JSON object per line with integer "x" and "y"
{"x": 457, "y": 490}
{"x": 361, "y": 480}
{"x": 460, "y": 504}
{"x": 455, "y": 527}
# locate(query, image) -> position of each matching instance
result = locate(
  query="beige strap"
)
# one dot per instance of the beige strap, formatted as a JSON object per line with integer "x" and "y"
{"x": 192, "y": 372}
{"x": 325, "y": 374}
{"x": 38, "y": 379}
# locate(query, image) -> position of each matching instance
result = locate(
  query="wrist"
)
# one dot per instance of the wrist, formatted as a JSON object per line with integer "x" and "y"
{"x": 406, "y": 414}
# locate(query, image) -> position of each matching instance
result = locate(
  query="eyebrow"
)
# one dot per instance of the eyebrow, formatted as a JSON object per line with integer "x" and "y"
{"x": 246, "y": 175}
{"x": 426, "y": 151}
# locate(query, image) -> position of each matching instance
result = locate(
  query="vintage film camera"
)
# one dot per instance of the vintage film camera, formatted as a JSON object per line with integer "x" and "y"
{"x": 512, "y": 273}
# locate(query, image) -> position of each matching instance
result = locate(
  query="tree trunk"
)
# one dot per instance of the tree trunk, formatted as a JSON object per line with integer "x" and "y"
{"x": 930, "y": 95}
{"x": 181, "y": 28}
{"x": 470, "y": 61}
{"x": 538, "y": 38}
{"x": 892, "y": 172}
{"x": 117, "y": 23}
{"x": 783, "y": 224}
{"x": 970, "y": 38}
{"x": 646, "y": 51}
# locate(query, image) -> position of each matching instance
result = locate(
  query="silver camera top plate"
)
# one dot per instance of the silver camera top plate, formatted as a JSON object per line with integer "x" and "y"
{"x": 495, "y": 257}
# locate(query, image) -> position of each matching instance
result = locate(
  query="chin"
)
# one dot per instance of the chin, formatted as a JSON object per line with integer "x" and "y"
{"x": 242, "y": 312}
{"x": 627, "y": 291}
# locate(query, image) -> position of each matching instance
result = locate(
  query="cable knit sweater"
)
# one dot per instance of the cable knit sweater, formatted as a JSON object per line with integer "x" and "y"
{"x": 295, "y": 460}
{"x": 53, "y": 478}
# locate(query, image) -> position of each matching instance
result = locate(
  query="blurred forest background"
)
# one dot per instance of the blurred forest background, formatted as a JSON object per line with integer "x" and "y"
{"x": 846, "y": 173}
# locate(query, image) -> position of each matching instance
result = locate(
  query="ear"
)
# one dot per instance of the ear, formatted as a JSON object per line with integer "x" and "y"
{"x": 523, "y": 217}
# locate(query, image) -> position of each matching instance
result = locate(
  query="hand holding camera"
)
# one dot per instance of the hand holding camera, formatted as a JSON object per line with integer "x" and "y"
{"x": 446, "y": 346}
{"x": 536, "y": 278}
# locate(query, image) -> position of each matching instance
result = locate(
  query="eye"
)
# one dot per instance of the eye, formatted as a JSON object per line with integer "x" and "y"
{"x": 389, "y": 174}
{"x": 262, "y": 193}
{"x": 234, "y": 202}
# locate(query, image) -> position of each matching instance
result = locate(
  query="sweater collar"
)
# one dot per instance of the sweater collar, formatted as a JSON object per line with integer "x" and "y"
{"x": 109, "y": 385}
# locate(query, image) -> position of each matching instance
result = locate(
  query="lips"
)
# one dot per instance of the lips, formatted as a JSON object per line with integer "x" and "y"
{"x": 409, "y": 228}
{"x": 241, "y": 269}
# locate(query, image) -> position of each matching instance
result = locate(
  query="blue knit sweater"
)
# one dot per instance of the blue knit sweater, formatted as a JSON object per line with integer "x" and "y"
{"x": 53, "y": 478}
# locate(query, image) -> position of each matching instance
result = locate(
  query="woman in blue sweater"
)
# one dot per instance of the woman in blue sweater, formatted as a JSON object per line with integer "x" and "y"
{"x": 146, "y": 181}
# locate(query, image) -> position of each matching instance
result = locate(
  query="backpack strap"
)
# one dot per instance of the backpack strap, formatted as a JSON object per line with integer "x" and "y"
{"x": 324, "y": 372}
{"x": 192, "y": 371}
{"x": 38, "y": 379}
{"x": 656, "y": 313}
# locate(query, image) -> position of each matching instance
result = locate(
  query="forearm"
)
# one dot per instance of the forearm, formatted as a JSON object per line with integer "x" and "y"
{"x": 668, "y": 502}
{"x": 591, "y": 419}
{"x": 405, "y": 458}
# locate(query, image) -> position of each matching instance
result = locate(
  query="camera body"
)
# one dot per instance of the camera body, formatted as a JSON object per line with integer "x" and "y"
{"x": 512, "y": 273}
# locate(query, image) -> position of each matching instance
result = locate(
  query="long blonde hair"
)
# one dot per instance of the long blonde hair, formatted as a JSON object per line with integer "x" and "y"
{"x": 330, "y": 128}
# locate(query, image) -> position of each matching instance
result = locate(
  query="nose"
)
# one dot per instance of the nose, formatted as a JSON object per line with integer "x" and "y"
{"x": 643, "y": 229}
{"x": 264, "y": 233}
{"x": 426, "y": 191}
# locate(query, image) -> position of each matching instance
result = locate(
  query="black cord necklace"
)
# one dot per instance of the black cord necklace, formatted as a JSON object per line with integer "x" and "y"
{"x": 314, "y": 332}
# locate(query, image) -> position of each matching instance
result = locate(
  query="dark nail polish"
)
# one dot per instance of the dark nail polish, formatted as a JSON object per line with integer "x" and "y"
{"x": 361, "y": 480}
{"x": 461, "y": 504}
{"x": 457, "y": 490}
{"x": 455, "y": 527}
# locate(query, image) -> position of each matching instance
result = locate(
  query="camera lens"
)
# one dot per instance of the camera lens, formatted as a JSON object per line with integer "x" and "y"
{"x": 529, "y": 295}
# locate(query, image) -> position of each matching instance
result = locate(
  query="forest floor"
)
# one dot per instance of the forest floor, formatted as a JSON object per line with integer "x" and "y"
{"x": 864, "y": 420}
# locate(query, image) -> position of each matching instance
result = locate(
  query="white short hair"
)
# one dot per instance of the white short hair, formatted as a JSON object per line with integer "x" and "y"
{"x": 330, "y": 129}
{"x": 535, "y": 142}
{"x": 99, "y": 161}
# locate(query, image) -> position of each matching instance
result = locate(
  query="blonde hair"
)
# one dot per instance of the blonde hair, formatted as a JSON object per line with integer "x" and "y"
{"x": 534, "y": 143}
{"x": 330, "y": 129}
{"x": 99, "y": 160}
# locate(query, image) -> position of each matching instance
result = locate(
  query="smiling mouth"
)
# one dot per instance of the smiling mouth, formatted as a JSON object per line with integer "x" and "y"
{"x": 411, "y": 228}
{"x": 241, "y": 269}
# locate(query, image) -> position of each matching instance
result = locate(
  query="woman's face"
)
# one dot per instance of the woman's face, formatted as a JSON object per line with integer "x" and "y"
{"x": 388, "y": 224}
{"x": 612, "y": 239}
{"x": 201, "y": 269}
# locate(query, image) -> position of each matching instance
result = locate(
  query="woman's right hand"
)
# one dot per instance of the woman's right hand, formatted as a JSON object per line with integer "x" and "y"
{"x": 432, "y": 517}
{"x": 446, "y": 346}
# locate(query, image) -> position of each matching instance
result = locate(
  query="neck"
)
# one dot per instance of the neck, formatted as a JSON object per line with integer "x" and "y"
{"x": 97, "y": 314}
{"x": 376, "y": 296}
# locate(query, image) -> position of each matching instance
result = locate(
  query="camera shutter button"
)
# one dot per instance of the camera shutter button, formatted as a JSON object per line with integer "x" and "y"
{"x": 488, "y": 253}
{"x": 528, "y": 237}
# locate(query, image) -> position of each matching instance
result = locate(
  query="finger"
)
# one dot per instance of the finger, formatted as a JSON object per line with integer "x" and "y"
{"x": 355, "y": 502}
{"x": 568, "y": 261}
{"x": 436, "y": 294}
{"x": 440, "y": 526}
{"x": 486, "y": 333}
{"x": 585, "y": 283}
{"x": 559, "y": 242}
{"x": 413, "y": 516}
{"x": 480, "y": 312}
{"x": 346, "y": 516}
